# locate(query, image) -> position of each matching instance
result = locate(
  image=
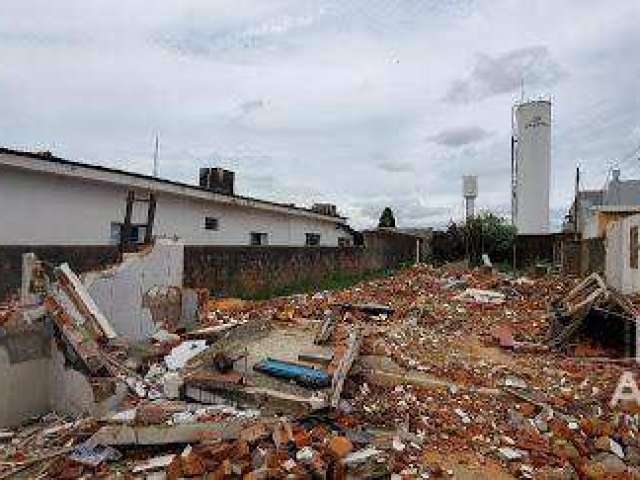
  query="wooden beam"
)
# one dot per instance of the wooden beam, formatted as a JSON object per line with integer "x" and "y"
{"x": 151, "y": 215}
{"x": 353, "y": 350}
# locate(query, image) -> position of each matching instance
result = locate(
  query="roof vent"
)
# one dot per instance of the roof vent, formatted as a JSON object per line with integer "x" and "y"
{"x": 217, "y": 180}
{"x": 325, "y": 209}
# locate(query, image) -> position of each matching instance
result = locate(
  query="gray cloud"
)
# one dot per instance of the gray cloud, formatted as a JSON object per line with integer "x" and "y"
{"x": 305, "y": 101}
{"x": 457, "y": 136}
{"x": 408, "y": 211}
{"x": 503, "y": 74}
{"x": 251, "y": 106}
{"x": 396, "y": 167}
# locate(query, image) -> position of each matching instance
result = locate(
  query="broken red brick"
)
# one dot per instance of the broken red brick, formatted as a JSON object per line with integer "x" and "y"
{"x": 340, "y": 447}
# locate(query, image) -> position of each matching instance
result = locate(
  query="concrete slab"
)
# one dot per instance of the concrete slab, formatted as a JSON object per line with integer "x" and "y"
{"x": 168, "y": 434}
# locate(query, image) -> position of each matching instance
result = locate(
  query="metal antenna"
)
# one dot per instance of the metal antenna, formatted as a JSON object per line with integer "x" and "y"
{"x": 155, "y": 158}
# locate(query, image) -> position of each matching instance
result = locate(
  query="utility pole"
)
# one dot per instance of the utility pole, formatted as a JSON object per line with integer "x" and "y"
{"x": 575, "y": 203}
{"x": 155, "y": 158}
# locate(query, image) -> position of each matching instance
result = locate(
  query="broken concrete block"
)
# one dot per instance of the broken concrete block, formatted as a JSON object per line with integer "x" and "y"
{"x": 93, "y": 455}
{"x": 167, "y": 434}
{"x": 509, "y": 454}
{"x": 361, "y": 456}
{"x": 184, "y": 352}
{"x": 305, "y": 454}
{"x": 156, "y": 463}
{"x": 171, "y": 384}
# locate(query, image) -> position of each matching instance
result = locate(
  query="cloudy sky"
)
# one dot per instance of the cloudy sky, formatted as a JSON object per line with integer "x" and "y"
{"x": 362, "y": 103}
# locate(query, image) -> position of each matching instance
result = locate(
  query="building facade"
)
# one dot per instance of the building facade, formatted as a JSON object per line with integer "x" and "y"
{"x": 596, "y": 208}
{"x": 45, "y": 200}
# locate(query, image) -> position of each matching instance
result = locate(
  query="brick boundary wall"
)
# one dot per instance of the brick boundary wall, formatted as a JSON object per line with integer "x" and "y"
{"x": 531, "y": 249}
{"x": 80, "y": 258}
{"x": 233, "y": 270}
{"x": 596, "y": 256}
{"x": 246, "y": 271}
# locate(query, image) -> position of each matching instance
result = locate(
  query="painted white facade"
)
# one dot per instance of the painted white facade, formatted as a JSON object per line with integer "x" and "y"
{"x": 43, "y": 202}
{"x": 532, "y": 167}
{"x": 619, "y": 272}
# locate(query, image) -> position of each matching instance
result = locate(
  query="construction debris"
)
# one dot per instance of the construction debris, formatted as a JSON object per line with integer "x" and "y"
{"x": 430, "y": 373}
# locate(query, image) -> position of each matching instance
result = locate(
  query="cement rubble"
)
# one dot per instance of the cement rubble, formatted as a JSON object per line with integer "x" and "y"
{"x": 428, "y": 382}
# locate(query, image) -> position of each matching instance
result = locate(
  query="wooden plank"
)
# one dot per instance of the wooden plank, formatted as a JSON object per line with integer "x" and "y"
{"x": 326, "y": 329}
{"x": 151, "y": 215}
{"x": 83, "y": 300}
{"x": 353, "y": 350}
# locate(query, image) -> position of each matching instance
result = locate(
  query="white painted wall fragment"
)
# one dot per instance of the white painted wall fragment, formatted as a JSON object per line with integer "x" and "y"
{"x": 621, "y": 272}
{"x": 119, "y": 291}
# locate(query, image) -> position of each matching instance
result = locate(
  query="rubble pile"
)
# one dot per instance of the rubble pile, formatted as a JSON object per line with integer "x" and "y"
{"x": 430, "y": 373}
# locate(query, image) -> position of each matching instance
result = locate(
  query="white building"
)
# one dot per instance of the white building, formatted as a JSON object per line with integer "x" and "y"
{"x": 45, "y": 200}
{"x": 597, "y": 208}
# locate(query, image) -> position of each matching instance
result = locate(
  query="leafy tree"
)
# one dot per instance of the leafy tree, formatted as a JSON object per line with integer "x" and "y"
{"x": 486, "y": 233}
{"x": 491, "y": 234}
{"x": 387, "y": 219}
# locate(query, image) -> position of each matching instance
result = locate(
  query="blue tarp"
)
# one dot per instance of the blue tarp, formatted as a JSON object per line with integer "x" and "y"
{"x": 301, "y": 374}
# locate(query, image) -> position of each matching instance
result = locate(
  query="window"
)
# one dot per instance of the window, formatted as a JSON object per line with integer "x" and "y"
{"x": 313, "y": 239}
{"x": 137, "y": 233}
{"x": 344, "y": 242}
{"x": 210, "y": 223}
{"x": 258, "y": 238}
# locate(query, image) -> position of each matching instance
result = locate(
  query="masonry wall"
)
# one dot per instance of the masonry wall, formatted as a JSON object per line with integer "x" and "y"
{"x": 532, "y": 249}
{"x": 246, "y": 271}
{"x": 80, "y": 259}
{"x": 571, "y": 257}
{"x": 582, "y": 257}
{"x": 595, "y": 253}
{"x": 35, "y": 380}
{"x": 233, "y": 270}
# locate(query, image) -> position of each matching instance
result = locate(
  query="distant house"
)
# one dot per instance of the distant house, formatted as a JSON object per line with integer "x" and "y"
{"x": 596, "y": 208}
{"x": 46, "y": 200}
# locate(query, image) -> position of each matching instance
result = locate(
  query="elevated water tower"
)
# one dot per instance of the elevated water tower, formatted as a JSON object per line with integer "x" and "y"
{"x": 531, "y": 167}
{"x": 470, "y": 192}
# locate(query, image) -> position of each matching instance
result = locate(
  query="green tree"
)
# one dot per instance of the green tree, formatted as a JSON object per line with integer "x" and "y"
{"x": 491, "y": 234}
{"x": 387, "y": 219}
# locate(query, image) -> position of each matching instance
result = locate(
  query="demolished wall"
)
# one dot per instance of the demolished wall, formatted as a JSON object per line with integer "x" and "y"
{"x": 24, "y": 376}
{"x": 122, "y": 292}
{"x": 227, "y": 270}
{"x": 80, "y": 259}
{"x": 35, "y": 380}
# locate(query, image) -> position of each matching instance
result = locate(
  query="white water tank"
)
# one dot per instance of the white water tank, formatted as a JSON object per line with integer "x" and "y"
{"x": 532, "y": 167}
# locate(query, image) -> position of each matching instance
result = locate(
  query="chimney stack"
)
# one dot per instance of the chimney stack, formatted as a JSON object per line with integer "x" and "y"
{"x": 325, "y": 209}
{"x": 217, "y": 180}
